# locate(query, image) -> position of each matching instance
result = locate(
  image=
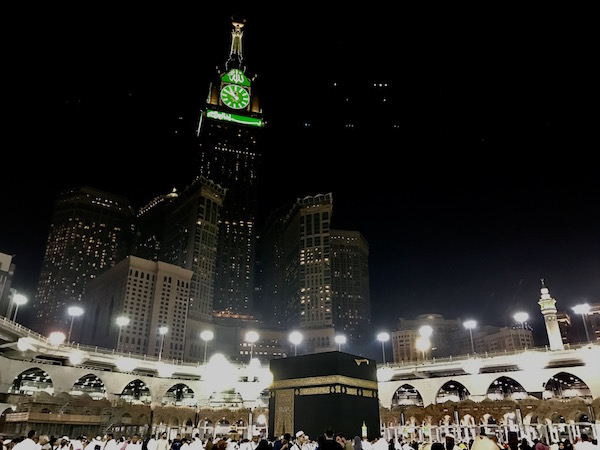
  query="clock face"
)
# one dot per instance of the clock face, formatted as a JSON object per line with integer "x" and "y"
{"x": 235, "y": 96}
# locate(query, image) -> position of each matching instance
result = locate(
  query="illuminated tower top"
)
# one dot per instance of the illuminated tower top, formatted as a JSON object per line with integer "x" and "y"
{"x": 235, "y": 54}
{"x": 548, "y": 308}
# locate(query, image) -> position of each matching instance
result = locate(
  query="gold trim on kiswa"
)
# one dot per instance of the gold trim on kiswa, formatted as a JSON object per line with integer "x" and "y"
{"x": 284, "y": 412}
{"x": 315, "y": 391}
{"x": 326, "y": 390}
{"x": 329, "y": 379}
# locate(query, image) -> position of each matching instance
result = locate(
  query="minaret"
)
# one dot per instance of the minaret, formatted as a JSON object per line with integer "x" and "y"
{"x": 547, "y": 305}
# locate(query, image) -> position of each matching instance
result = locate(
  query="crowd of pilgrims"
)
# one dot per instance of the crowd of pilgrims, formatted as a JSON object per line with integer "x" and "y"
{"x": 327, "y": 441}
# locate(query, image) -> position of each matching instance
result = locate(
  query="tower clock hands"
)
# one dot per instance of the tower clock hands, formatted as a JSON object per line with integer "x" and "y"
{"x": 235, "y": 97}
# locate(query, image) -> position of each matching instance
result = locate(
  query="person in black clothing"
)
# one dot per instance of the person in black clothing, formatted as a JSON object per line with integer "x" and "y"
{"x": 513, "y": 440}
{"x": 328, "y": 442}
{"x": 281, "y": 442}
{"x": 177, "y": 443}
{"x": 264, "y": 445}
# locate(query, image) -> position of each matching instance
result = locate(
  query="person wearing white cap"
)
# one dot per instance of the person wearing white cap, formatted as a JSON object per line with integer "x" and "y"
{"x": 297, "y": 444}
{"x": 255, "y": 439}
{"x": 302, "y": 442}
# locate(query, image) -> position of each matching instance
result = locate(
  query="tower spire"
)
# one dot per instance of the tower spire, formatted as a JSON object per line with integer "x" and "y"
{"x": 548, "y": 307}
{"x": 235, "y": 54}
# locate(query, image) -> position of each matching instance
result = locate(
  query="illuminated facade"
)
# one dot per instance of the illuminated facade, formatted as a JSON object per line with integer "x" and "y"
{"x": 90, "y": 231}
{"x": 308, "y": 259}
{"x": 449, "y": 337}
{"x": 150, "y": 294}
{"x": 228, "y": 137}
{"x": 444, "y": 340}
{"x": 314, "y": 278}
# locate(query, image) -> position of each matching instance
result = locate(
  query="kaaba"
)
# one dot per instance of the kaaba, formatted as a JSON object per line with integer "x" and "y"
{"x": 324, "y": 390}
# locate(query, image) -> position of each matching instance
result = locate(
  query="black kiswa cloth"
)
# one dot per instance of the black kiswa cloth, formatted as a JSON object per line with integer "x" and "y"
{"x": 323, "y": 390}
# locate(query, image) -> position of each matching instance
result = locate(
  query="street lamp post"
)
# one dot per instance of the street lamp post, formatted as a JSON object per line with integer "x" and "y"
{"x": 295, "y": 338}
{"x": 521, "y": 317}
{"x": 18, "y": 300}
{"x": 251, "y": 337}
{"x": 583, "y": 309}
{"x": 122, "y": 321}
{"x": 206, "y": 336}
{"x": 340, "y": 339}
{"x": 74, "y": 311}
{"x": 383, "y": 337}
{"x": 162, "y": 331}
{"x": 469, "y": 325}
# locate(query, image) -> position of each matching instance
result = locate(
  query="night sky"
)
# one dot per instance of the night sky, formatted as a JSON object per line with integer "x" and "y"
{"x": 471, "y": 181}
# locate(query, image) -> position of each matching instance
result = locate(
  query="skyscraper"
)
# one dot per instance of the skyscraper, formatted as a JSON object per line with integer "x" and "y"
{"x": 90, "y": 231}
{"x": 312, "y": 277}
{"x": 306, "y": 265}
{"x": 151, "y": 295}
{"x": 228, "y": 136}
{"x": 190, "y": 240}
{"x": 350, "y": 285}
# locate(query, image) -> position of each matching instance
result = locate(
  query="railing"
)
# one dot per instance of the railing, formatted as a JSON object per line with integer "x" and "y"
{"x": 14, "y": 326}
{"x": 469, "y": 356}
{"x": 26, "y": 332}
{"x": 551, "y": 433}
{"x": 9, "y": 324}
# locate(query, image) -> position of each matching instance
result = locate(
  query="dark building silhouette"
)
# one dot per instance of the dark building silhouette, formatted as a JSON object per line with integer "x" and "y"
{"x": 150, "y": 226}
{"x": 7, "y": 271}
{"x": 191, "y": 238}
{"x": 350, "y": 285}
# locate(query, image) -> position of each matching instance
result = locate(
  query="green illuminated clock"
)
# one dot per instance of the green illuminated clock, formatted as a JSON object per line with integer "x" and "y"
{"x": 235, "y": 96}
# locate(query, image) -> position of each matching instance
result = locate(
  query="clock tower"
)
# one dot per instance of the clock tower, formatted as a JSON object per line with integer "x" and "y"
{"x": 229, "y": 130}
